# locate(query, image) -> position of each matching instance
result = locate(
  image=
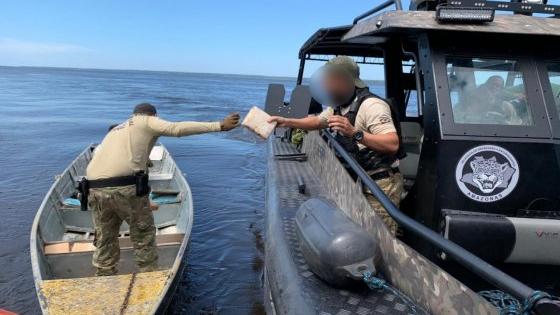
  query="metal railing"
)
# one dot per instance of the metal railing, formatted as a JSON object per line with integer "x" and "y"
{"x": 467, "y": 259}
{"x": 382, "y": 6}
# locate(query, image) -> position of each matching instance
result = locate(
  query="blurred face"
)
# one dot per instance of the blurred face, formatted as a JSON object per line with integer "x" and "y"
{"x": 337, "y": 83}
{"x": 339, "y": 86}
{"x": 331, "y": 86}
{"x": 495, "y": 84}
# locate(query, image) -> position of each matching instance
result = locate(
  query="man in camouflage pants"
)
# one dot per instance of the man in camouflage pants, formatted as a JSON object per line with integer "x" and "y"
{"x": 393, "y": 187}
{"x": 111, "y": 206}
{"x": 112, "y": 175}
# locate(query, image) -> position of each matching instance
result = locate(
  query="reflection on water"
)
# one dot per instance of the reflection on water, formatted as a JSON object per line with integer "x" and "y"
{"x": 50, "y": 115}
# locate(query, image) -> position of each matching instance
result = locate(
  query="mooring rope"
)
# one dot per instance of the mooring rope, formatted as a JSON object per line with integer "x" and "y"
{"x": 508, "y": 305}
{"x": 378, "y": 284}
{"x": 504, "y": 302}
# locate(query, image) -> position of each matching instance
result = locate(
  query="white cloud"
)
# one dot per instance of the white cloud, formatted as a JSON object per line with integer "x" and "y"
{"x": 15, "y": 46}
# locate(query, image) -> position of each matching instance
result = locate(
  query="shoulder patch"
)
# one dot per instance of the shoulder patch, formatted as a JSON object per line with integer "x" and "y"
{"x": 385, "y": 118}
{"x": 119, "y": 126}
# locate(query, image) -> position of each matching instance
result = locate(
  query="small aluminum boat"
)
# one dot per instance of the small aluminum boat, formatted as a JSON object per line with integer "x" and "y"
{"x": 62, "y": 246}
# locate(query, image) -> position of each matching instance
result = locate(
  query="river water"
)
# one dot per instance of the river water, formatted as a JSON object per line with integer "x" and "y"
{"x": 48, "y": 116}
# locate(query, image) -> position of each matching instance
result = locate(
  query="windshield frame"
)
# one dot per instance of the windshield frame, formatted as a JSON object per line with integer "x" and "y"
{"x": 535, "y": 101}
{"x": 553, "y": 110}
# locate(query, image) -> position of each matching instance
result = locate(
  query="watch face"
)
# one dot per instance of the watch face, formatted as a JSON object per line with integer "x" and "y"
{"x": 359, "y": 136}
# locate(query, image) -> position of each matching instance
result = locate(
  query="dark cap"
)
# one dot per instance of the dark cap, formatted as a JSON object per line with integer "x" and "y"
{"x": 348, "y": 65}
{"x": 145, "y": 109}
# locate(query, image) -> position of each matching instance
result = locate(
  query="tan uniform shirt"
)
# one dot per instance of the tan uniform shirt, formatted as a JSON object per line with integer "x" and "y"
{"x": 126, "y": 148}
{"x": 374, "y": 116}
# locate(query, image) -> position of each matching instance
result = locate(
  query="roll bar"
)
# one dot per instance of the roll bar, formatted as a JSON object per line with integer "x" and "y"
{"x": 467, "y": 259}
{"x": 384, "y": 5}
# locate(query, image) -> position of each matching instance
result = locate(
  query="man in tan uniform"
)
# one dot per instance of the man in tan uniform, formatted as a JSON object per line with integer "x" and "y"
{"x": 365, "y": 126}
{"x": 113, "y": 177}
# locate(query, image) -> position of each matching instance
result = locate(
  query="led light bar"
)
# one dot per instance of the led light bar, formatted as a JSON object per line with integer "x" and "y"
{"x": 464, "y": 15}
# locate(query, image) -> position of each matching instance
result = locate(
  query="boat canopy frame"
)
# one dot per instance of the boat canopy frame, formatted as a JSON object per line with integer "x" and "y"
{"x": 328, "y": 42}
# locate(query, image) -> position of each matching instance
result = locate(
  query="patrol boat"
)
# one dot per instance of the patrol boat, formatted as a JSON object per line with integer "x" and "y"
{"x": 62, "y": 246}
{"x": 479, "y": 100}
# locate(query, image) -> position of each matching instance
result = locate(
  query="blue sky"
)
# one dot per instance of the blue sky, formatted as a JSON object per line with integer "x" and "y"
{"x": 244, "y": 36}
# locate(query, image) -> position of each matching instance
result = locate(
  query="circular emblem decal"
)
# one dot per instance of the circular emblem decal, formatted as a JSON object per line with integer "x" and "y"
{"x": 487, "y": 173}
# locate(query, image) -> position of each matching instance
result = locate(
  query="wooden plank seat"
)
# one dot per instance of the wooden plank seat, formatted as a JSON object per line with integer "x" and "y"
{"x": 56, "y": 248}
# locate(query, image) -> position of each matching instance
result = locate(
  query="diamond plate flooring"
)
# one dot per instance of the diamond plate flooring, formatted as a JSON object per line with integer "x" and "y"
{"x": 325, "y": 299}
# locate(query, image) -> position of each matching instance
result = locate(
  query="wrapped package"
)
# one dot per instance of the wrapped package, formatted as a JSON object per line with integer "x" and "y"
{"x": 257, "y": 121}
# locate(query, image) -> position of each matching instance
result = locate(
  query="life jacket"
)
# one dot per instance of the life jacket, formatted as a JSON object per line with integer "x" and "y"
{"x": 366, "y": 157}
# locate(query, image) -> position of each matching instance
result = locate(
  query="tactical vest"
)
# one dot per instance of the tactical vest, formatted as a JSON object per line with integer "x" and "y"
{"x": 367, "y": 158}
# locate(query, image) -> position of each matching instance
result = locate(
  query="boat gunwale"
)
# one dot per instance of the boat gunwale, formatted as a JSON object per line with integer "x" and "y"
{"x": 33, "y": 238}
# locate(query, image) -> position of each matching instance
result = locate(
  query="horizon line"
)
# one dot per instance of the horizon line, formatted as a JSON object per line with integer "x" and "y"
{"x": 150, "y": 70}
{"x": 173, "y": 71}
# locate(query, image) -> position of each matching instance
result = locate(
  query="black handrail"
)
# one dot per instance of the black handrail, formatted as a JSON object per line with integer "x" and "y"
{"x": 388, "y": 3}
{"x": 459, "y": 254}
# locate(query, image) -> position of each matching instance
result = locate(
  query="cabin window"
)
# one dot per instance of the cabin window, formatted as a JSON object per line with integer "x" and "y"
{"x": 412, "y": 109}
{"x": 487, "y": 91}
{"x": 554, "y": 78}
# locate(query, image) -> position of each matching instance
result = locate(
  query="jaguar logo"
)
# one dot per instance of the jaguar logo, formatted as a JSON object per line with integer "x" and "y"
{"x": 487, "y": 173}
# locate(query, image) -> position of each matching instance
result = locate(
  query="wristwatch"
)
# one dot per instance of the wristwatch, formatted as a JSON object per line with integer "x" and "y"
{"x": 358, "y": 136}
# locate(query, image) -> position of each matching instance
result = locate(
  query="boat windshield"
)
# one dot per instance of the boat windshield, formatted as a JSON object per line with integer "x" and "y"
{"x": 487, "y": 91}
{"x": 554, "y": 78}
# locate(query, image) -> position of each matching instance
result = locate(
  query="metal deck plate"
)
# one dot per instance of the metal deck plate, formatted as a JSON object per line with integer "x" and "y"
{"x": 322, "y": 297}
{"x": 122, "y": 294}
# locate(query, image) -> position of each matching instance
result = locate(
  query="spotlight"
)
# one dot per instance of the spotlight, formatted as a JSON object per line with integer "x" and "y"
{"x": 464, "y": 15}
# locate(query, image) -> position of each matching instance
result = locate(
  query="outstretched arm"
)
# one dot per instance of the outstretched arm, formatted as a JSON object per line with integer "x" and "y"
{"x": 307, "y": 123}
{"x": 162, "y": 127}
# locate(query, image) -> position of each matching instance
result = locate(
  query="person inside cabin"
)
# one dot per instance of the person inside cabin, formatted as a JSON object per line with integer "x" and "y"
{"x": 364, "y": 124}
{"x": 488, "y": 103}
{"x": 118, "y": 188}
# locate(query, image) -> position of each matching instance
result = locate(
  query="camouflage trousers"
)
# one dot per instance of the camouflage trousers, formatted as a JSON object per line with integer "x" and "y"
{"x": 111, "y": 206}
{"x": 393, "y": 187}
